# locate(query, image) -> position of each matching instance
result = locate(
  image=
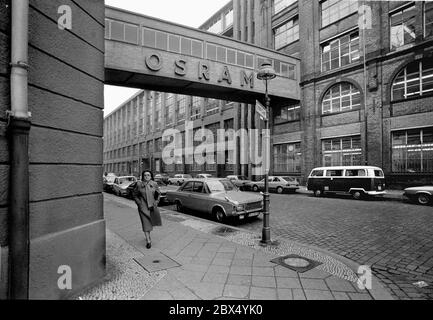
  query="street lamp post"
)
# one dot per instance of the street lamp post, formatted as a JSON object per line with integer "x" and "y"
{"x": 266, "y": 72}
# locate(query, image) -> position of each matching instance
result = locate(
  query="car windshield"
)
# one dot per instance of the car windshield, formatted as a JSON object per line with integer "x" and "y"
{"x": 220, "y": 186}
{"x": 126, "y": 180}
{"x": 186, "y": 176}
{"x": 289, "y": 178}
{"x": 242, "y": 178}
{"x": 160, "y": 183}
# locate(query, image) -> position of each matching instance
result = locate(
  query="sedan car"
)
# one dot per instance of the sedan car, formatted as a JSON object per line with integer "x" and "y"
{"x": 277, "y": 184}
{"x": 108, "y": 181}
{"x": 163, "y": 188}
{"x": 120, "y": 185}
{"x": 179, "y": 179}
{"x": 241, "y": 182}
{"x": 422, "y": 195}
{"x": 162, "y": 176}
{"x": 219, "y": 198}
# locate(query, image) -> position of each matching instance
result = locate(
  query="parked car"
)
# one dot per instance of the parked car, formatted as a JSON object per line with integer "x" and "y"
{"x": 179, "y": 179}
{"x": 277, "y": 184}
{"x": 163, "y": 177}
{"x": 242, "y": 182}
{"x": 203, "y": 176}
{"x": 108, "y": 181}
{"x": 163, "y": 188}
{"x": 219, "y": 198}
{"x": 359, "y": 181}
{"x": 121, "y": 184}
{"x": 422, "y": 195}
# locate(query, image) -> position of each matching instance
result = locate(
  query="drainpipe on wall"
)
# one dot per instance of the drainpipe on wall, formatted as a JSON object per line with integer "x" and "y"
{"x": 18, "y": 131}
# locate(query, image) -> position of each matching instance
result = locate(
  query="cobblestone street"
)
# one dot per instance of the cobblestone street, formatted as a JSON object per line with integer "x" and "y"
{"x": 393, "y": 237}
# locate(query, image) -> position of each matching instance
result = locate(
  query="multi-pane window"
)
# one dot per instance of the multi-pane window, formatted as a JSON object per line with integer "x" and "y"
{"x": 416, "y": 79}
{"x": 341, "y": 97}
{"x": 428, "y": 19}
{"x": 287, "y": 157}
{"x": 181, "y": 107}
{"x": 121, "y": 31}
{"x": 345, "y": 151}
{"x": 216, "y": 27}
{"x": 287, "y": 33}
{"x": 279, "y": 5}
{"x": 171, "y": 42}
{"x": 228, "y": 19}
{"x": 196, "y": 108}
{"x": 283, "y": 69}
{"x": 212, "y": 106}
{"x": 412, "y": 150}
{"x": 402, "y": 27}
{"x": 287, "y": 113}
{"x": 333, "y": 10}
{"x": 169, "y": 109}
{"x": 340, "y": 52}
{"x": 158, "y": 115}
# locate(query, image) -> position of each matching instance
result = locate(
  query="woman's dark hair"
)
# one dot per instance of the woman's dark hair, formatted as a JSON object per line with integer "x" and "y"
{"x": 142, "y": 175}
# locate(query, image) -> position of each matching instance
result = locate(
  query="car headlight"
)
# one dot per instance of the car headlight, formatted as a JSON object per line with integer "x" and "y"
{"x": 240, "y": 207}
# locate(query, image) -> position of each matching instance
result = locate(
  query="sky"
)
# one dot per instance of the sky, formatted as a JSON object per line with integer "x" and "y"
{"x": 191, "y": 13}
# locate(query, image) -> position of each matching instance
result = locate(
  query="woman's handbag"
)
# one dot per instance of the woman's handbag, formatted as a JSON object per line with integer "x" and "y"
{"x": 155, "y": 216}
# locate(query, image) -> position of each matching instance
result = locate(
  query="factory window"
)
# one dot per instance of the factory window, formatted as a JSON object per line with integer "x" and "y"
{"x": 402, "y": 27}
{"x": 279, "y": 5}
{"x": 416, "y": 79}
{"x": 428, "y": 19}
{"x": 341, "y": 97}
{"x": 196, "y": 108}
{"x": 287, "y": 157}
{"x": 212, "y": 106}
{"x": 333, "y": 10}
{"x": 342, "y": 151}
{"x": 340, "y": 52}
{"x": 287, "y": 113}
{"x": 287, "y": 33}
{"x": 412, "y": 151}
{"x": 169, "y": 110}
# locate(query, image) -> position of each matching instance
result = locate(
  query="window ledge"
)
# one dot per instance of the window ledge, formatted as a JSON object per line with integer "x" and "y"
{"x": 335, "y": 113}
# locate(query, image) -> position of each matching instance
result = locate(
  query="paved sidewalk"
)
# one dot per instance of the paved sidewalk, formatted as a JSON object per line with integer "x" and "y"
{"x": 396, "y": 195}
{"x": 192, "y": 259}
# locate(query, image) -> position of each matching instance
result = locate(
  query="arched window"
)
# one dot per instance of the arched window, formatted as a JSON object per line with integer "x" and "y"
{"x": 341, "y": 97}
{"x": 416, "y": 79}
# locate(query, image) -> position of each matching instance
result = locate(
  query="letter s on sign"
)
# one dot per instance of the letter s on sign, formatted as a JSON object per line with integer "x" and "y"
{"x": 180, "y": 67}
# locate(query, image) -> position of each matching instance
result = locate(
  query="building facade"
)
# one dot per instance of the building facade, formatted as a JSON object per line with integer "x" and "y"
{"x": 366, "y": 92}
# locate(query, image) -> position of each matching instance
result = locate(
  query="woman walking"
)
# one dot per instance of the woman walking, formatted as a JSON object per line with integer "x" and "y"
{"x": 146, "y": 195}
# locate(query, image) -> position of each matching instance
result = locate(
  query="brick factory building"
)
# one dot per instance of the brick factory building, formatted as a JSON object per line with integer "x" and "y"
{"x": 386, "y": 120}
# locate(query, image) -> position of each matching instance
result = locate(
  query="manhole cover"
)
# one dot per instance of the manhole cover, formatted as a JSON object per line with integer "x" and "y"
{"x": 156, "y": 262}
{"x": 296, "y": 263}
{"x": 223, "y": 230}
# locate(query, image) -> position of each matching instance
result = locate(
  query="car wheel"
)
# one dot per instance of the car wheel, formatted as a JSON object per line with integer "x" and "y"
{"x": 219, "y": 215}
{"x": 179, "y": 207}
{"x": 357, "y": 195}
{"x": 279, "y": 190}
{"x": 255, "y": 188}
{"x": 318, "y": 193}
{"x": 423, "y": 199}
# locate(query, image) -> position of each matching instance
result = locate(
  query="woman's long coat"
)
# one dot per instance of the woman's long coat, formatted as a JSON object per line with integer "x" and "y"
{"x": 146, "y": 195}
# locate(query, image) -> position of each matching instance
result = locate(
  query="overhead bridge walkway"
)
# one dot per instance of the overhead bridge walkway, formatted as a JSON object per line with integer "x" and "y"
{"x": 148, "y": 53}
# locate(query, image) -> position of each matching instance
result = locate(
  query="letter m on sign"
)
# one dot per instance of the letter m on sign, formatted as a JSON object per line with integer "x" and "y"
{"x": 245, "y": 79}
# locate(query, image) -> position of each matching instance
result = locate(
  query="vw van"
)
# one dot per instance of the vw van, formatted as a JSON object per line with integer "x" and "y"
{"x": 359, "y": 181}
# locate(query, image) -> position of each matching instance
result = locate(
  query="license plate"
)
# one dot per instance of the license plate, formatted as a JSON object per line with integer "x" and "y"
{"x": 241, "y": 217}
{"x": 379, "y": 188}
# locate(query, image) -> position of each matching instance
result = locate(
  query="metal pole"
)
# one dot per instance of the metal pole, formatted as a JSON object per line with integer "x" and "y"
{"x": 266, "y": 231}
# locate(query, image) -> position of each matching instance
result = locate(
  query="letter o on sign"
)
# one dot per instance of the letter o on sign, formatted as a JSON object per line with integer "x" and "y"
{"x": 154, "y": 62}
